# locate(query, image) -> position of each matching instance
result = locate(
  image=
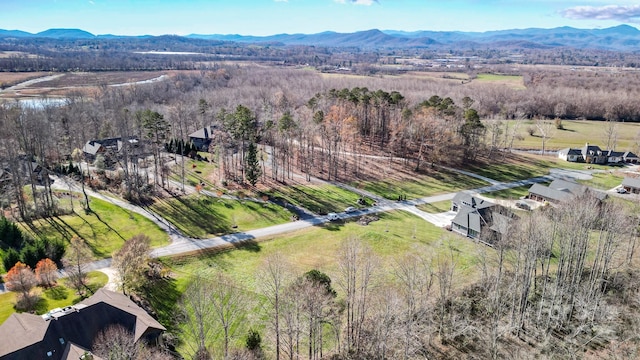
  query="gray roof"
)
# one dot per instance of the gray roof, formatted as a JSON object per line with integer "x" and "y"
{"x": 631, "y": 182}
{"x": 612, "y": 153}
{"x": 31, "y": 336}
{"x": 465, "y": 198}
{"x": 549, "y": 193}
{"x": 629, "y": 154}
{"x": 565, "y": 185}
{"x": 469, "y": 218}
{"x": 204, "y": 133}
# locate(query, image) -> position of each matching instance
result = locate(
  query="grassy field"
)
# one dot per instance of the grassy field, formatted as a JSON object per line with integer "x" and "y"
{"x": 436, "y": 207}
{"x": 59, "y": 296}
{"x": 105, "y": 229}
{"x": 438, "y": 182}
{"x": 320, "y": 199}
{"x": 575, "y": 134}
{"x": 512, "y": 81}
{"x": 200, "y": 216}
{"x": 393, "y": 236}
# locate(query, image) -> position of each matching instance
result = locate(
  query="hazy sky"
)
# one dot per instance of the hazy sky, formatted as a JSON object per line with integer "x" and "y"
{"x": 267, "y": 17}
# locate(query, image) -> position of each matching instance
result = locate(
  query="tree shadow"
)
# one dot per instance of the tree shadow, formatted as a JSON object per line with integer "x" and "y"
{"x": 248, "y": 245}
{"x": 163, "y": 296}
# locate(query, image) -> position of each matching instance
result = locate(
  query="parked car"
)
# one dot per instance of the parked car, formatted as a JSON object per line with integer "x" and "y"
{"x": 333, "y": 217}
{"x": 523, "y": 205}
{"x": 350, "y": 209}
{"x": 621, "y": 190}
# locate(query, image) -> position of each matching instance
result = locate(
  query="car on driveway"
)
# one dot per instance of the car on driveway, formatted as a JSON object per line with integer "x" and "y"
{"x": 621, "y": 190}
{"x": 333, "y": 217}
{"x": 350, "y": 209}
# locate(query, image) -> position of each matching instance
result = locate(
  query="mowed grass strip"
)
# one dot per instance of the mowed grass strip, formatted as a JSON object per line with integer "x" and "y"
{"x": 438, "y": 181}
{"x": 436, "y": 207}
{"x": 200, "y": 216}
{"x": 105, "y": 229}
{"x": 56, "y": 297}
{"x": 604, "y": 180}
{"x": 512, "y": 81}
{"x": 319, "y": 199}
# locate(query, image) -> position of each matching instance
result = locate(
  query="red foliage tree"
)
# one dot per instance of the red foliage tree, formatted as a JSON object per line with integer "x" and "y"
{"x": 46, "y": 272}
{"x": 21, "y": 278}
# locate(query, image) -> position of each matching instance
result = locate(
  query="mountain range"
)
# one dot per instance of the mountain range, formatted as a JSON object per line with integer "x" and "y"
{"x": 618, "y": 38}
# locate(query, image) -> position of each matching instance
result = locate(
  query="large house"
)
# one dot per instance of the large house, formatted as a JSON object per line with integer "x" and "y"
{"x": 108, "y": 147}
{"x": 558, "y": 191}
{"x": 631, "y": 185}
{"x": 202, "y": 138}
{"x": 69, "y": 333}
{"x": 592, "y": 154}
{"x": 474, "y": 214}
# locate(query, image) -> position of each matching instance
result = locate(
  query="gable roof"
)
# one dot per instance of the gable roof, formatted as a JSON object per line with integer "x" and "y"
{"x": 570, "y": 151}
{"x": 548, "y": 192}
{"x": 629, "y": 154}
{"x": 467, "y": 199}
{"x": 33, "y": 337}
{"x": 631, "y": 182}
{"x": 469, "y": 218}
{"x": 204, "y": 133}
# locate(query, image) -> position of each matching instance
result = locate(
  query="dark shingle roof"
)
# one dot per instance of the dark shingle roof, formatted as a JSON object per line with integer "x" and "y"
{"x": 204, "y": 133}
{"x": 33, "y": 337}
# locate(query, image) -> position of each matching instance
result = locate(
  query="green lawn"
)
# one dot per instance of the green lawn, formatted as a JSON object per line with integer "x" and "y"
{"x": 604, "y": 180}
{"x": 511, "y": 194}
{"x": 57, "y": 297}
{"x": 105, "y": 229}
{"x": 201, "y": 216}
{"x": 320, "y": 199}
{"x": 395, "y": 235}
{"x": 512, "y": 81}
{"x": 436, "y": 207}
{"x": 436, "y": 182}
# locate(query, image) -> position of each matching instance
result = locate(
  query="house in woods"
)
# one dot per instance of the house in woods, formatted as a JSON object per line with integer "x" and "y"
{"x": 592, "y": 154}
{"x": 630, "y": 158}
{"x": 474, "y": 214}
{"x": 69, "y": 333}
{"x": 631, "y": 185}
{"x": 559, "y": 191}
{"x": 203, "y": 137}
{"x": 110, "y": 148}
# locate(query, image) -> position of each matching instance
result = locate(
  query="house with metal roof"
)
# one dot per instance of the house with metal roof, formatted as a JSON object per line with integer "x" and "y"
{"x": 558, "y": 191}
{"x": 631, "y": 185}
{"x": 64, "y": 333}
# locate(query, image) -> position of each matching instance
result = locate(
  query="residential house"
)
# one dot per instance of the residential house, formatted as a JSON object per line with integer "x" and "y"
{"x": 558, "y": 191}
{"x": 110, "y": 147}
{"x": 631, "y": 185}
{"x": 615, "y": 157}
{"x": 65, "y": 333}
{"x": 592, "y": 154}
{"x": 475, "y": 214}
{"x": 630, "y": 158}
{"x": 569, "y": 154}
{"x": 202, "y": 138}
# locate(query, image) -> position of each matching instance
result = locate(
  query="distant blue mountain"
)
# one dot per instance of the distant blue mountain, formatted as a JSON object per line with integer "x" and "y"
{"x": 618, "y": 38}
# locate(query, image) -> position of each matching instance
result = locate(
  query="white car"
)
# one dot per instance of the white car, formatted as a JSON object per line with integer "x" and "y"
{"x": 350, "y": 209}
{"x": 333, "y": 217}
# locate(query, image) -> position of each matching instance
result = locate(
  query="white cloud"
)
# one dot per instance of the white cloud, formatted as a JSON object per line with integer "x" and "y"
{"x": 625, "y": 13}
{"x": 357, "y": 2}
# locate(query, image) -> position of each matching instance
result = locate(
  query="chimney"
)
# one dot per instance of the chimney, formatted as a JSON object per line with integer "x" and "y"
{"x": 587, "y": 145}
